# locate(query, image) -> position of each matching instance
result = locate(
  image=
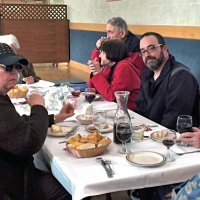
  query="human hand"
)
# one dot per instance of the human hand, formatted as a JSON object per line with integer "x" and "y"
{"x": 191, "y": 138}
{"x": 94, "y": 66}
{"x": 65, "y": 112}
{"x": 35, "y": 99}
{"x": 100, "y": 41}
{"x": 28, "y": 80}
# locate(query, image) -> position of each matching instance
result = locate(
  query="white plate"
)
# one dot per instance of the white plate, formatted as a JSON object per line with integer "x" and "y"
{"x": 157, "y": 135}
{"x": 70, "y": 126}
{"x": 92, "y": 129}
{"x": 146, "y": 158}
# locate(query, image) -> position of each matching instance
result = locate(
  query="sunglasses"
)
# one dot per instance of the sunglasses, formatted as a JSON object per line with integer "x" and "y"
{"x": 9, "y": 68}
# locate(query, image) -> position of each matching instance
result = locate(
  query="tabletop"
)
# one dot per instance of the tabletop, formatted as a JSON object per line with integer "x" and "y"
{"x": 86, "y": 177}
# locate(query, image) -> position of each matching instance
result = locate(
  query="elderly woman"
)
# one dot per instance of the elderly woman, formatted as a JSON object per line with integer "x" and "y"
{"x": 27, "y": 75}
{"x": 117, "y": 72}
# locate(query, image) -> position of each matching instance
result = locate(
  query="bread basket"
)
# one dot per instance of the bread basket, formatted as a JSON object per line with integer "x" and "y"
{"x": 18, "y": 92}
{"x": 90, "y": 152}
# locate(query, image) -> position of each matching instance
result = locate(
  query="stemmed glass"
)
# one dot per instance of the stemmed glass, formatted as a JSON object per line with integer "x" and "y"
{"x": 124, "y": 133}
{"x": 90, "y": 94}
{"x": 53, "y": 98}
{"x": 184, "y": 124}
{"x": 99, "y": 120}
{"x": 169, "y": 139}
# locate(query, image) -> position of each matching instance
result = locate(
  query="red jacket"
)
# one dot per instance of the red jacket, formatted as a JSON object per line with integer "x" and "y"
{"x": 125, "y": 77}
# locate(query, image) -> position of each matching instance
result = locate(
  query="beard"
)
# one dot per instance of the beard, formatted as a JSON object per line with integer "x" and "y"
{"x": 154, "y": 63}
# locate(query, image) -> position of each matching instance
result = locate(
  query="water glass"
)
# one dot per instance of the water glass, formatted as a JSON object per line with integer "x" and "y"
{"x": 138, "y": 133}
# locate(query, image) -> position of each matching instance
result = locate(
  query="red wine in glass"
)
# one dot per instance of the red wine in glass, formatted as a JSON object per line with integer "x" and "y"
{"x": 123, "y": 133}
{"x": 169, "y": 139}
{"x": 168, "y": 142}
{"x": 90, "y": 94}
{"x": 184, "y": 127}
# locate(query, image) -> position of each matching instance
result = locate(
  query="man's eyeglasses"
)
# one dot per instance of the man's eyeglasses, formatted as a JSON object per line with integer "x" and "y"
{"x": 9, "y": 68}
{"x": 150, "y": 49}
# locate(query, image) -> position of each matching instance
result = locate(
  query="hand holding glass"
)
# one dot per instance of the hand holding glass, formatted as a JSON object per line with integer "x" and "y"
{"x": 184, "y": 124}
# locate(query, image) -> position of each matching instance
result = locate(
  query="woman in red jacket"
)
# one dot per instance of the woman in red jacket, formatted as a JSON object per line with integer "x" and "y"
{"x": 117, "y": 72}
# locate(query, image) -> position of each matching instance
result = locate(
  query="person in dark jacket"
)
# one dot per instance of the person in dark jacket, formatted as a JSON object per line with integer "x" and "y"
{"x": 117, "y": 29}
{"x": 23, "y": 136}
{"x": 168, "y": 89}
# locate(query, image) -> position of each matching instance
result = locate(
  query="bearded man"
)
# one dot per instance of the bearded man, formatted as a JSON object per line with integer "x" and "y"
{"x": 168, "y": 88}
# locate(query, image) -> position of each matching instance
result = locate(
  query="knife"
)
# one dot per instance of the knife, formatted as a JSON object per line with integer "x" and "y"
{"x": 107, "y": 169}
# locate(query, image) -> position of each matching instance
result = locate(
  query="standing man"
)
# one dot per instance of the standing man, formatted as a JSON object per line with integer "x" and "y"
{"x": 117, "y": 28}
{"x": 168, "y": 88}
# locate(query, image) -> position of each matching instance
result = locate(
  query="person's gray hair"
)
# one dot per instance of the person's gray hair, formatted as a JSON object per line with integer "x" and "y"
{"x": 119, "y": 23}
{"x": 10, "y": 40}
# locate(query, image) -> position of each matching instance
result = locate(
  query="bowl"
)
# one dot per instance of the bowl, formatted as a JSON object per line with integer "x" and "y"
{"x": 18, "y": 92}
{"x": 85, "y": 119}
{"x": 88, "y": 149}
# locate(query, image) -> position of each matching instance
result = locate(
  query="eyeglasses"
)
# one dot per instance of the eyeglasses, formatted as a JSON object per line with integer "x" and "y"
{"x": 9, "y": 68}
{"x": 102, "y": 52}
{"x": 150, "y": 49}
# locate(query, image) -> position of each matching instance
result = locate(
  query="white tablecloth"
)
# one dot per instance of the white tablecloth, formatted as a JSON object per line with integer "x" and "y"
{"x": 86, "y": 177}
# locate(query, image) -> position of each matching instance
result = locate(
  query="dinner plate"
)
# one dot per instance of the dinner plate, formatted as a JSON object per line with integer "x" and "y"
{"x": 66, "y": 128}
{"x": 157, "y": 135}
{"x": 146, "y": 158}
{"x": 108, "y": 128}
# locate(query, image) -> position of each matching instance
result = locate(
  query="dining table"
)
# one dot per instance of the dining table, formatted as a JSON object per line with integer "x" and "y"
{"x": 83, "y": 177}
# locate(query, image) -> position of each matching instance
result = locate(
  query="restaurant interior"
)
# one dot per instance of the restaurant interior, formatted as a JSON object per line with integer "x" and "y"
{"x": 58, "y": 36}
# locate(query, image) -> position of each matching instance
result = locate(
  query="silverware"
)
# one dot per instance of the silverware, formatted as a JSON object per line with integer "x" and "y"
{"x": 70, "y": 133}
{"x": 106, "y": 166}
{"x": 181, "y": 154}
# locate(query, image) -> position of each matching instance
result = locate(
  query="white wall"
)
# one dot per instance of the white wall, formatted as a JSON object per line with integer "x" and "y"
{"x": 140, "y": 12}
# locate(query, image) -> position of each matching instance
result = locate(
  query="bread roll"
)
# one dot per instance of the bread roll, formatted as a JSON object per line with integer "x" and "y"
{"x": 17, "y": 92}
{"x": 75, "y": 138}
{"x": 55, "y": 128}
{"x": 86, "y": 146}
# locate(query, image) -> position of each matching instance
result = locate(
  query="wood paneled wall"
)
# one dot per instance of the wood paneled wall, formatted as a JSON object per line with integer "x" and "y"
{"x": 185, "y": 32}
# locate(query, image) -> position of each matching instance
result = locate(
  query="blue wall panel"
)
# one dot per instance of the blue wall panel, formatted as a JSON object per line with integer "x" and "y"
{"x": 186, "y": 51}
{"x": 82, "y": 43}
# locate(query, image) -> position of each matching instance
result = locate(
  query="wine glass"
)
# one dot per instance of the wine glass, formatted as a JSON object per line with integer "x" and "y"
{"x": 99, "y": 120}
{"x": 184, "y": 124}
{"x": 90, "y": 94}
{"x": 75, "y": 91}
{"x": 52, "y": 98}
{"x": 123, "y": 133}
{"x": 169, "y": 139}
